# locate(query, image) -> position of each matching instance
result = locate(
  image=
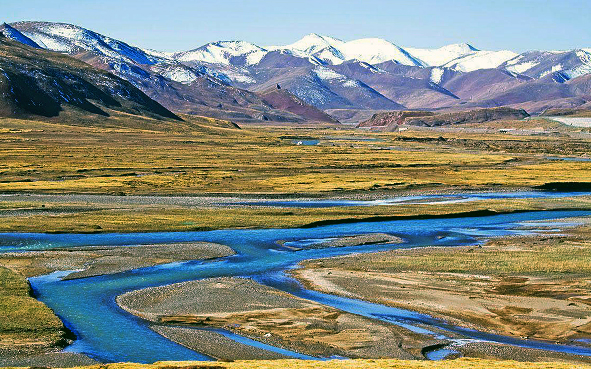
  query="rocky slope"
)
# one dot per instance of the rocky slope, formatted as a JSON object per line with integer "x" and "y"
{"x": 280, "y": 98}
{"x": 391, "y": 120}
{"x": 35, "y": 82}
{"x": 471, "y": 116}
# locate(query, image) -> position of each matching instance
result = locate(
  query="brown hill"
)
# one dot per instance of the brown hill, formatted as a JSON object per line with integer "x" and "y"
{"x": 280, "y": 98}
{"x": 36, "y": 82}
{"x": 471, "y": 116}
{"x": 392, "y": 120}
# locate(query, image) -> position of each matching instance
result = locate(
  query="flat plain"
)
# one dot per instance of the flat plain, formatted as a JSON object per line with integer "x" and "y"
{"x": 208, "y": 174}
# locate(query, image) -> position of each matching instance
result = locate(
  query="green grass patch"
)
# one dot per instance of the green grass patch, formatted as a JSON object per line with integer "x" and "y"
{"x": 25, "y": 323}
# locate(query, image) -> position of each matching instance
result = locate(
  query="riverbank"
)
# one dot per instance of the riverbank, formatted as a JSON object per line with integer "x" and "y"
{"x": 268, "y": 315}
{"x": 525, "y": 286}
{"x": 94, "y": 260}
{"x": 30, "y": 333}
{"x": 311, "y": 317}
{"x": 120, "y": 214}
{"x": 27, "y": 326}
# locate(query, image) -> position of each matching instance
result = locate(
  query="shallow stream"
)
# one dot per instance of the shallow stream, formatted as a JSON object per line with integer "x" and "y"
{"x": 107, "y": 333}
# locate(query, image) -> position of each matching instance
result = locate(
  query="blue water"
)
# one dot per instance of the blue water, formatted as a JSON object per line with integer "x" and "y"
{"x": 567, "y": 158}
{"x": 107, "y": 333}
{"x": 440, "y": 354}
{"x": 306, "y": 142}
{"x": 258, "y": 344}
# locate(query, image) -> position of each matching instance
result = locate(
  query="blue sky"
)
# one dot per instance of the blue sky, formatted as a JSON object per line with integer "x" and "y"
{"x": 170, "y": 25}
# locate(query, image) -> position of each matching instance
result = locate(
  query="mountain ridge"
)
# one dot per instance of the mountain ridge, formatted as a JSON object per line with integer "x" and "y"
{"x": 222, "y": 78}
{"x": 39, "y": 83}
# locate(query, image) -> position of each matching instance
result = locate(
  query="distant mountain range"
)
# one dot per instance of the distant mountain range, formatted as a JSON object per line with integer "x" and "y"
{"x": 234, "y": 79}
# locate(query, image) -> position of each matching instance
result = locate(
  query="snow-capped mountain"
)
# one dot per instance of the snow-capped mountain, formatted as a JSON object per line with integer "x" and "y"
{"x": 322, "y": 49}
{"x": 102, "y": 51}
{"x": 376, "y": 50}
{"x": 224, "y": 52}
{"x": 480, "y": 60}
{"x": 39, "y": 83}
{"x": 194, "y": 88}
{"x": 538, "y": 64}
{"x": 334, "y": 51}
{"x": 443, "y": 55}
{"x": 15, "y": 35}
{"x": 311, "y": 44}
{"x": 71, "y": 39}
{"x": 326, "y": 72}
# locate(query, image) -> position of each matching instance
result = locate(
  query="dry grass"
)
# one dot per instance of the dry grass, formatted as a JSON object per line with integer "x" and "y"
{"x": 557, "y": 256}
{"x": 80, "y": 218}
{"x": 25, "y": 323}
{"x": 561, "y": 258}
{"x": 349, "y": 364}
{"x": 204, "y": 156}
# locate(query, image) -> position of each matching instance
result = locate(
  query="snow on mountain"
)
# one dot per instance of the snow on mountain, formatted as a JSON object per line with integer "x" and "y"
{"x": 539, "y": 64}
{"x": 158, "y": 54}
{"x": 178, "y": 73}
{"x": 71, "y": 39}
{"x": 519, "y": 65}
{"x": 330, "y": 89}
{"x": 585, "y": 67}
{"x": 15, "y": 35}
{"x": 330, "y": 55}
{"x": 442, "y": 55}
{"x": 480, "y": 60}
{"x": 318, "y": 49}
{"x": 126, "y": 61}
{"x": 334, "y": 51}
{"x": 436, "y": 75}
{"x": 239, "y": 76}
{"x": 328, "y": 74}
{"x": 376, "y": 50}
{"x": 223, "y": 52}
{"x": 368, "y": 73}
{"x": 311, "y": 44}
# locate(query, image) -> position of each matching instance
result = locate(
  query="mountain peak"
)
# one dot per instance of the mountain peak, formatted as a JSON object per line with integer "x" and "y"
{"x": 69, "y": 38}
{"x": 378, "y": 50}
{"x": 313, "y": 35}
{"x": 312, "y": 43}
{"x": 465, "y": 47}
{"x": 222, "y": 52}
{"x": 444, "y": 54}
